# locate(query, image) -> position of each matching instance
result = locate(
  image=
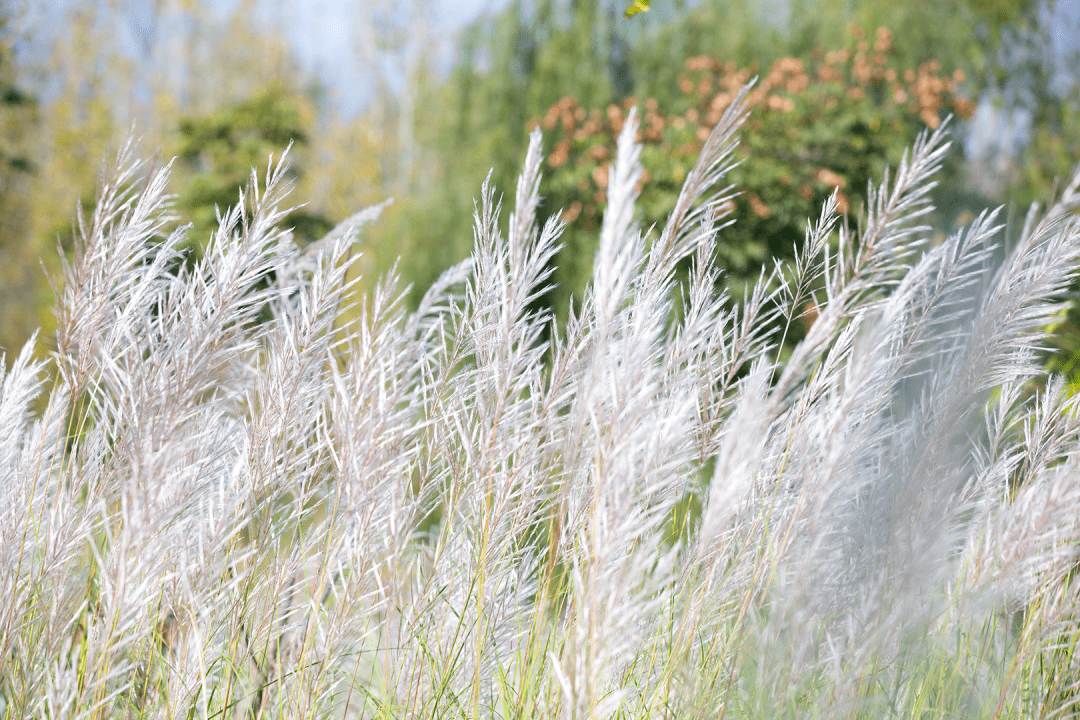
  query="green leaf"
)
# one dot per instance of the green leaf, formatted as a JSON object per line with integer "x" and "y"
{"x": 638, "y": 6}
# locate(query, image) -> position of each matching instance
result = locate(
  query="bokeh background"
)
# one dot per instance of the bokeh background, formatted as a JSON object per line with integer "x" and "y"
{"x": 419, "y": 99}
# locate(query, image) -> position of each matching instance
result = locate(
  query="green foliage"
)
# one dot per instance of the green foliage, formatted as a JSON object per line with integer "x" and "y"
{"x": 511, "y": 69}
{"x": 1047, "y": 168}
{"x": 14, "y": 101}
{"x": 17, "y": 109}
{"x": 220, "y": 148}
{"x": 18, "y": 116}
{"x": 1043, "y": 166}
{"x": 959, "y": 33}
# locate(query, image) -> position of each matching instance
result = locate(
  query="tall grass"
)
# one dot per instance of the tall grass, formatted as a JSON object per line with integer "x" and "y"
{"x": 249, "y": 496}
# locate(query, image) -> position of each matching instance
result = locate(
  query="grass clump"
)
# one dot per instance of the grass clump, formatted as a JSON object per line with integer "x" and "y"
{"x": 462, "y": 511}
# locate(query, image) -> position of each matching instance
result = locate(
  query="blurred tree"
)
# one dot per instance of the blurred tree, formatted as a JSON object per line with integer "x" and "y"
{"x": 966, "y": 34}
{"x": 85, "y": 114}
{"x": 232, "y": 80}
{"x": 16, "y": 110}
{"x": 400, "y": 47}
{"x": 1043, "y": 83}
{"x": 1046, "y": 85}
{"x": 219, "y": 149}
{"x": 511, "y": 68}
{"x": 18, "y": 116}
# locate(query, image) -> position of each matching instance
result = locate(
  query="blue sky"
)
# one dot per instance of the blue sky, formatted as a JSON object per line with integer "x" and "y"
{"x": 329, "y": 41}
{"x": 327, "y": 35}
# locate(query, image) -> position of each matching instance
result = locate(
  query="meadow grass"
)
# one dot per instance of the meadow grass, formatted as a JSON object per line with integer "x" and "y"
{"x": 251, "y": 494}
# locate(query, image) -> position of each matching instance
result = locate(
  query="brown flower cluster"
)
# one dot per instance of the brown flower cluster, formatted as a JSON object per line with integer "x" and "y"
{"x": 862, "y": 72}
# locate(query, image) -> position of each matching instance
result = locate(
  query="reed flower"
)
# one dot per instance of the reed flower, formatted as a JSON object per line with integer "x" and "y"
{"x": 252, "y": 493}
